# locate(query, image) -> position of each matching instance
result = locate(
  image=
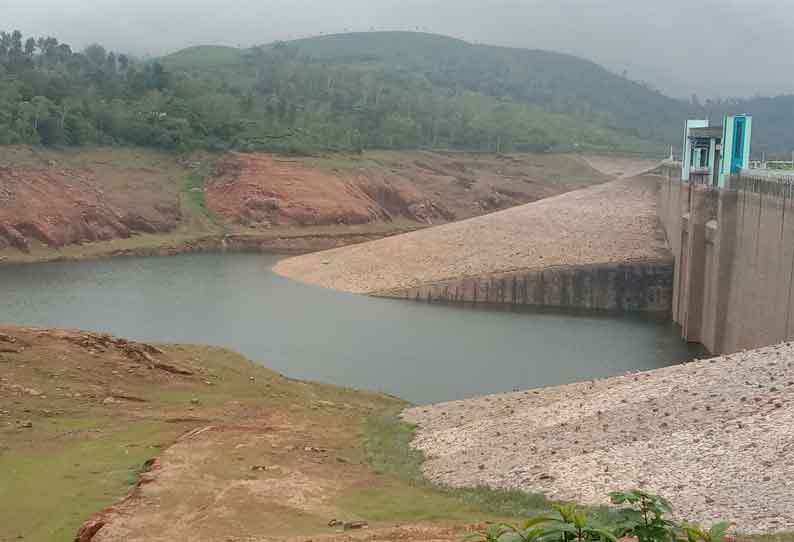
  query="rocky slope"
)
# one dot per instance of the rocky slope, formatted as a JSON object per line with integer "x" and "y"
{"x": 263, "y": 191}
{"x": 59, "y": 207}
{"x": 609, "y": 223}
{"x": 716, "y": 437}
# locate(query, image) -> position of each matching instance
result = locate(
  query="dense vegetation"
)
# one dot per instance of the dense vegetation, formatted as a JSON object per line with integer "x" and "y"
{"x": 345, "y": 92}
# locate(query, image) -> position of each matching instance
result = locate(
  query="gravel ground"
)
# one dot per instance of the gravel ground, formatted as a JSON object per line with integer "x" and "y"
{"x": 716, "y": 437}
{"x": 608, "y": 223}
{"x": 623, "y": 168}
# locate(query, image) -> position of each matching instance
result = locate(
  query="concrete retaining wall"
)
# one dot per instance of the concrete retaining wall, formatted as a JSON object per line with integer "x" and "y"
{"x": 643, "y": 286}
{"x": 734, "y": 270}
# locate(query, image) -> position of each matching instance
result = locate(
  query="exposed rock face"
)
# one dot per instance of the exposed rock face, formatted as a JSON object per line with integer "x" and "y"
{"x": 62, "y": 207}
{"x": 260, "y": 190}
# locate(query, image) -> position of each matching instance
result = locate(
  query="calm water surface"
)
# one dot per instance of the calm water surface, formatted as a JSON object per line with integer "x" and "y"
{"x": 423, "y": 353}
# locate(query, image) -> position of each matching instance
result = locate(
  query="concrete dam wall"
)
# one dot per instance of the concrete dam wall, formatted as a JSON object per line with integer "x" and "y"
{"x": 734, "y": 260}
{"x": 642, "y": 286}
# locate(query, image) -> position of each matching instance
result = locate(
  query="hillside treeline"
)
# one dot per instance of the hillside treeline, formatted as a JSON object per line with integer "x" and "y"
{"x": 347, "y": 92}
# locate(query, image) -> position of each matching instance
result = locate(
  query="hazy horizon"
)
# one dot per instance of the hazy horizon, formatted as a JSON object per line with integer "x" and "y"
{"x": 650, "y": 42}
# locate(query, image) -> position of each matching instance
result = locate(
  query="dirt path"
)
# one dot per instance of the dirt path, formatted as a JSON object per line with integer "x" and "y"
{"x": 608, "y": 223}
{"x": 715, "y": 437}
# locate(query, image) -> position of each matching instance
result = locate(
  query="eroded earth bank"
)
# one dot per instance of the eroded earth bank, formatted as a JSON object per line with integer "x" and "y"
{"x": 103, "y": 201}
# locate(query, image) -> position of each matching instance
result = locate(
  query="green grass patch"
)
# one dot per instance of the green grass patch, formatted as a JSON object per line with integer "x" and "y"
{"x": 194, "y": 198}
{"x": 388, "y": 444}
{"x": 73, "y": 476}
{"x": 194, "y": 188}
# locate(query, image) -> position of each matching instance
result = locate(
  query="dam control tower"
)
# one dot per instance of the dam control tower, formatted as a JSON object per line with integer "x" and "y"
{"x": 712, "y": 153}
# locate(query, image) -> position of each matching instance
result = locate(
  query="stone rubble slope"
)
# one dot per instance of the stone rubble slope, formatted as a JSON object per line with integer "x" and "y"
{"x": 716, "y": 437}
{"x": 609, "y": 223}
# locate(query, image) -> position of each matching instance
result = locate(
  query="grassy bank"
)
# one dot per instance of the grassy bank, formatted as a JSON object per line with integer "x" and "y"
{"x": 388, "y": 441}
{"x": 79, "y": 417}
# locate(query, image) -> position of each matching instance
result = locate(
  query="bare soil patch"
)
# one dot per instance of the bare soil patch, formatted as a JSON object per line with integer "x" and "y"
{"x": 263, "y": 191}
{"x": 56, "y": 199}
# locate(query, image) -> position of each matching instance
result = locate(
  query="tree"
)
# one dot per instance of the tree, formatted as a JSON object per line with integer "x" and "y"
{"x": 30, "y": 47}
{"x": 110, "y": 63}
{"x": 95, "y": 54}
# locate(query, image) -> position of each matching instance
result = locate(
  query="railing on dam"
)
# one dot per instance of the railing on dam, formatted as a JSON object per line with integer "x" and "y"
{"x": 734, "y": 252}
{"x": 764, "y": 182}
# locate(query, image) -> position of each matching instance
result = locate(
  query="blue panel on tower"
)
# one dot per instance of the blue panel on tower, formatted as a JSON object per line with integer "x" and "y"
{"x": 739, "y": 138}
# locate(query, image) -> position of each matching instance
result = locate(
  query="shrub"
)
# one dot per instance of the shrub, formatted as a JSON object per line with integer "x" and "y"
{"x": 642, "y": 518}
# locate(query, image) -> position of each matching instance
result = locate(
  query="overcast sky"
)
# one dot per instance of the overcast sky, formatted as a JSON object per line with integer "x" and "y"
{"x": 712, "y": 48}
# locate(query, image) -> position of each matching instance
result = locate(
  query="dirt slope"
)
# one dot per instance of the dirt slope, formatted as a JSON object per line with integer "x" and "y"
{"x": 57, "y": 199}
{"x": 63, "y": 207}
{"x": 263, "y": 191}
{"x": 90, "y": 202}
{"x": 715, "y": 437}
{"x": 608, "y": 223}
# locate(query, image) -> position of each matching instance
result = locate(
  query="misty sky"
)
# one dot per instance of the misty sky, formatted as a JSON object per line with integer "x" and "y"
{"x": 675, "y": 45}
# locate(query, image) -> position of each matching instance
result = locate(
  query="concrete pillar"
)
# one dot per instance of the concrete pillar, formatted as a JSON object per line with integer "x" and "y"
{"x": 693, "y": 272}
{"x": 677, "y": 236}
{"x": 725, "y": 249}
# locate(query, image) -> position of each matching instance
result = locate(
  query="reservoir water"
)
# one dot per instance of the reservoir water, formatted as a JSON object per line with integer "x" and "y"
{"x": 422, "y": 353}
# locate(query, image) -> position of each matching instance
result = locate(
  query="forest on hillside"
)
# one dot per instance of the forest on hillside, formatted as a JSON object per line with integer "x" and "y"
{"x": 348, "y": 92}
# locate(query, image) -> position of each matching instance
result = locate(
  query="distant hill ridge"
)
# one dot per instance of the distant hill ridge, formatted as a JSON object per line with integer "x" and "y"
{"x": 347, "y": 92}
{"x": 591, "y": 106}
{"x": 582, "y": 92}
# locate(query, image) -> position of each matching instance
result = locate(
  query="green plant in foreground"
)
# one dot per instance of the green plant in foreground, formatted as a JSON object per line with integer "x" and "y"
{"x": 643, "y": 519}
{"x": 572, "y": 525}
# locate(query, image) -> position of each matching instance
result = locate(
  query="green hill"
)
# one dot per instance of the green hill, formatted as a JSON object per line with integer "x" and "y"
{"x": 391, "y": 90}
{"x": 203, "y": 57}
{"x": 397, "y": 89}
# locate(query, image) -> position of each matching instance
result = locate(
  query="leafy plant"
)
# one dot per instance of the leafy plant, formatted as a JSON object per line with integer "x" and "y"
{"x": 575, "y": 525}
{"x": 572, "y": 525}
{"x": 644, "y": 518}
{"x": 492, "y": 533}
